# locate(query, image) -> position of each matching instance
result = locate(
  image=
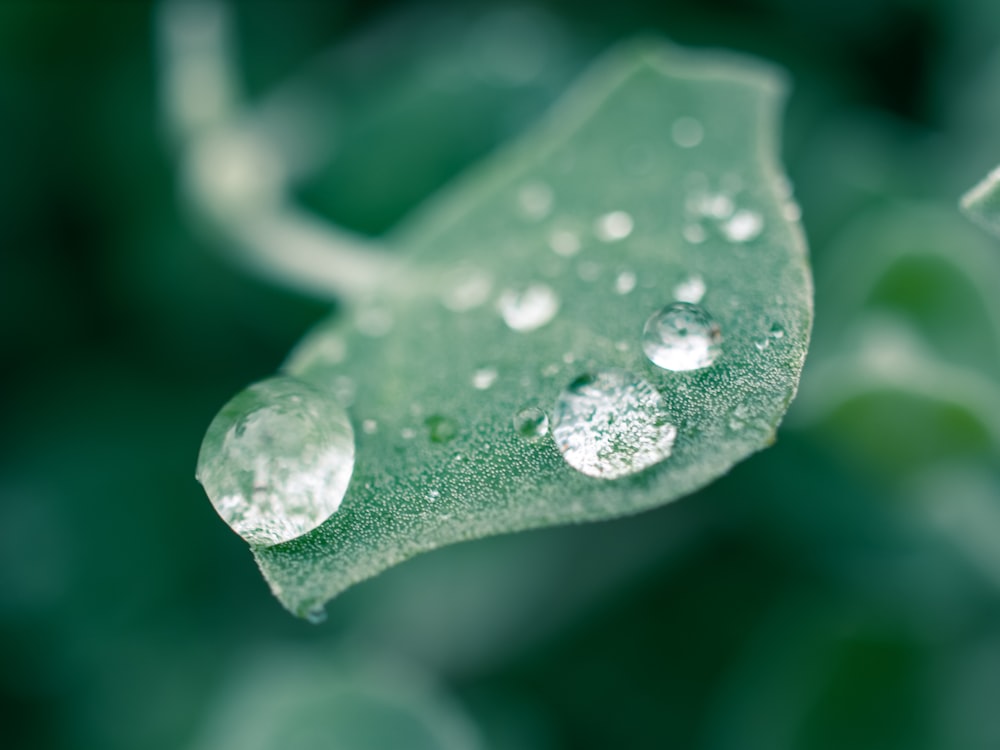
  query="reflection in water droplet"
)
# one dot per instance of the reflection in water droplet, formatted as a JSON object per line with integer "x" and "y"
{"x": 277, "y": 460}
{"x": 625, "y": 282}
{"x": 687, "y": 132}
{"x": 484, "y": 378}
{"x": 690, "y": 290}
{"x": 612, "y": 424}
{"x": 681, "y": 337}
{"x": 564, "y": 242}
{"x": 442, "y": 429}
{"x": 531, "y": 423}
{"x": 535, "y": 200}
{"x": 528, "y": 309}
{"x": 613, "y": 226}
{"x": 743, "y": 226}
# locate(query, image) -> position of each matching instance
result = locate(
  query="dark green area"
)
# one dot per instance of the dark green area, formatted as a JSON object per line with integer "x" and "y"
{"x": 840, "y": 590}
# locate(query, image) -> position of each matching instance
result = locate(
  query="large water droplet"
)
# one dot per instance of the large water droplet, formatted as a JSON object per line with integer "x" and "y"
{"x": 528, "y": 309}
{"x": 441, "y": 429}
{"x": 612, "y": 424}
{"x": 531, "y": 423}
{"x": 681, "y": 337}
{"x": 277, "y": 459}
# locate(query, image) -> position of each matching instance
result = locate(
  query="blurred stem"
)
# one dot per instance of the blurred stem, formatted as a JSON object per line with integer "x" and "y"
{"x": 236, "y": 177}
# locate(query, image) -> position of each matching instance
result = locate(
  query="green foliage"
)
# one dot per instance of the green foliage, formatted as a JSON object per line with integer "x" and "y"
{"x": 682, "y": 146}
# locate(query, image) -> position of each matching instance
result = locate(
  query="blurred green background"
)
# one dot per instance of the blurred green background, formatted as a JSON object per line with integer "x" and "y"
{"x": 840, "y": 590}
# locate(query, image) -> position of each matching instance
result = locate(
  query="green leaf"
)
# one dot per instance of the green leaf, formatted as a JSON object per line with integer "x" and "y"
{"x": 982, "y": 203}
{"x": 510, "y": 347}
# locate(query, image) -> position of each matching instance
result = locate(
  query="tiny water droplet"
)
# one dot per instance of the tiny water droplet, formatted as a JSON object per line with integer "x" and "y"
{"x": 743, "y": 226}
{"x": 531, "y": 423}
{"x": 690, "y": 290}
{"x": 316, "y": 615}
{"x": 442, "y": 429}
{"x": 694, "y": 233}
{"x": 535, "y": 200}
{"x": 470, "y": 292}
{"x": 681, "y": 337}
{"x": 433, "y": 495}
{"x": 277, "y": 460}
{"x": 484, "y": 378}
{"x": 614, "y": 226}
{"x": 611, "y": 424}
{"x": 687, "y": 132}
{"x": 718, "y": 206}
{"x": 625, "y": 282}
{"x": 739, "y": 418}
{"x": 550, "y": 370}
{"x": 529, "y": 309}
{"x": 369, "y": 426}
{"x": 564, "y": 242}
{"x": 407, "y": 433}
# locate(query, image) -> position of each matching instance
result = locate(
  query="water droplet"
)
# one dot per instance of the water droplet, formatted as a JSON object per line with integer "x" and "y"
{"x": 433, "y": 495}
{"x": 694, "y": 233}
{"x": 564, "y": 242}
{"x": 529, "y": 309}
{"x": 369, "y": 426}
{"x": 277, "y": 460}
{"x": 442, "y": 429}
{"x": 681, "y": 337}
{"x": 472, "y": 291}
{"x": 484, "y": 378}
{"x": 535, "y": 200}
{"x": 550, "y": 370}
{"x": 743, "y": 226}
{"x": 690, "y": 290}
{"x": 625, "y": 282}
{"x": 739, "y": 418}
{"x": 718, "y": 206}
{"x": 614, "y": 226}
{"x": 407, "y": 433}
{"x": 612, "y": 424}
{"x": 687, "y": 132}
{"x": 531, "y": 423}
{"x": 316, "y": 615}
{"x": 374, "y": 321}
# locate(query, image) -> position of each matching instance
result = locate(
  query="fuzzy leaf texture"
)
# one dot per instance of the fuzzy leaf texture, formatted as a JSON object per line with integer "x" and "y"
{"x": 602, "y": 318}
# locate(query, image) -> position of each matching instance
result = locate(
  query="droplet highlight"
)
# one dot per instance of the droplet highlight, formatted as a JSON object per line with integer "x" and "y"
{"x": 614, "y": 226}
{"x": 681, "y": 337}
{"x": 484, "y": 378}
{"x": 690, "y": 290}
{"x": 277, "y": 460}
{"x": 529, "y": 309}
{"x": 611, "y": 424}
{"x": 625, "y": 282}
{"x": 743, "y": 226}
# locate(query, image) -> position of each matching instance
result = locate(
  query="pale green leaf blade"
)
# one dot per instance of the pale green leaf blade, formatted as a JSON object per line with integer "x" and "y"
{"x": 982, "y": 203}
{"x": 677, "y": 152}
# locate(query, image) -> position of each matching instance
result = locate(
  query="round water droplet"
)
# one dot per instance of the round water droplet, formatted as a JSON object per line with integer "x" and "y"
{"x": 681, "y": 337}
{"x": 531, "y": 423}
{"x": 442, "y": 429}
{"x": 743, "y": 226}
{"x": 614, "y": 226}
{"x": 277, "y": 459}
{"x": 694, "y": 233}
{"x": 535, "y": 200}
{"x": 529, "y": 309}
{"x": 433, "y": 495}
{"x": 484, "y": 378}
{"x": 611, "y": 424}
{"x": 564, "y": 242}
{"x": 625, "y": 282}
{"x": 687, "y": 132}
{"x": 690, "y": 290}
{"x": 369, "y": 426}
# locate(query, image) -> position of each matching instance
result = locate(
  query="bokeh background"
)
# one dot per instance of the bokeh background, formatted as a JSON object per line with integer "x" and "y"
{"x": 841, "y": 589}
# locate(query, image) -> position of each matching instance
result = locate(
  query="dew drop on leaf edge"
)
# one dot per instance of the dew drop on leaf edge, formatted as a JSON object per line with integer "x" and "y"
{"x": 531, "y": 424}
{"x": 277, "y": 460}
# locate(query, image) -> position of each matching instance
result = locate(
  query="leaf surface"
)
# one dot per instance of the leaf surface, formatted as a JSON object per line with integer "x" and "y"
{"x": 982, "y": 203}
{"x": 512, "y": 340}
